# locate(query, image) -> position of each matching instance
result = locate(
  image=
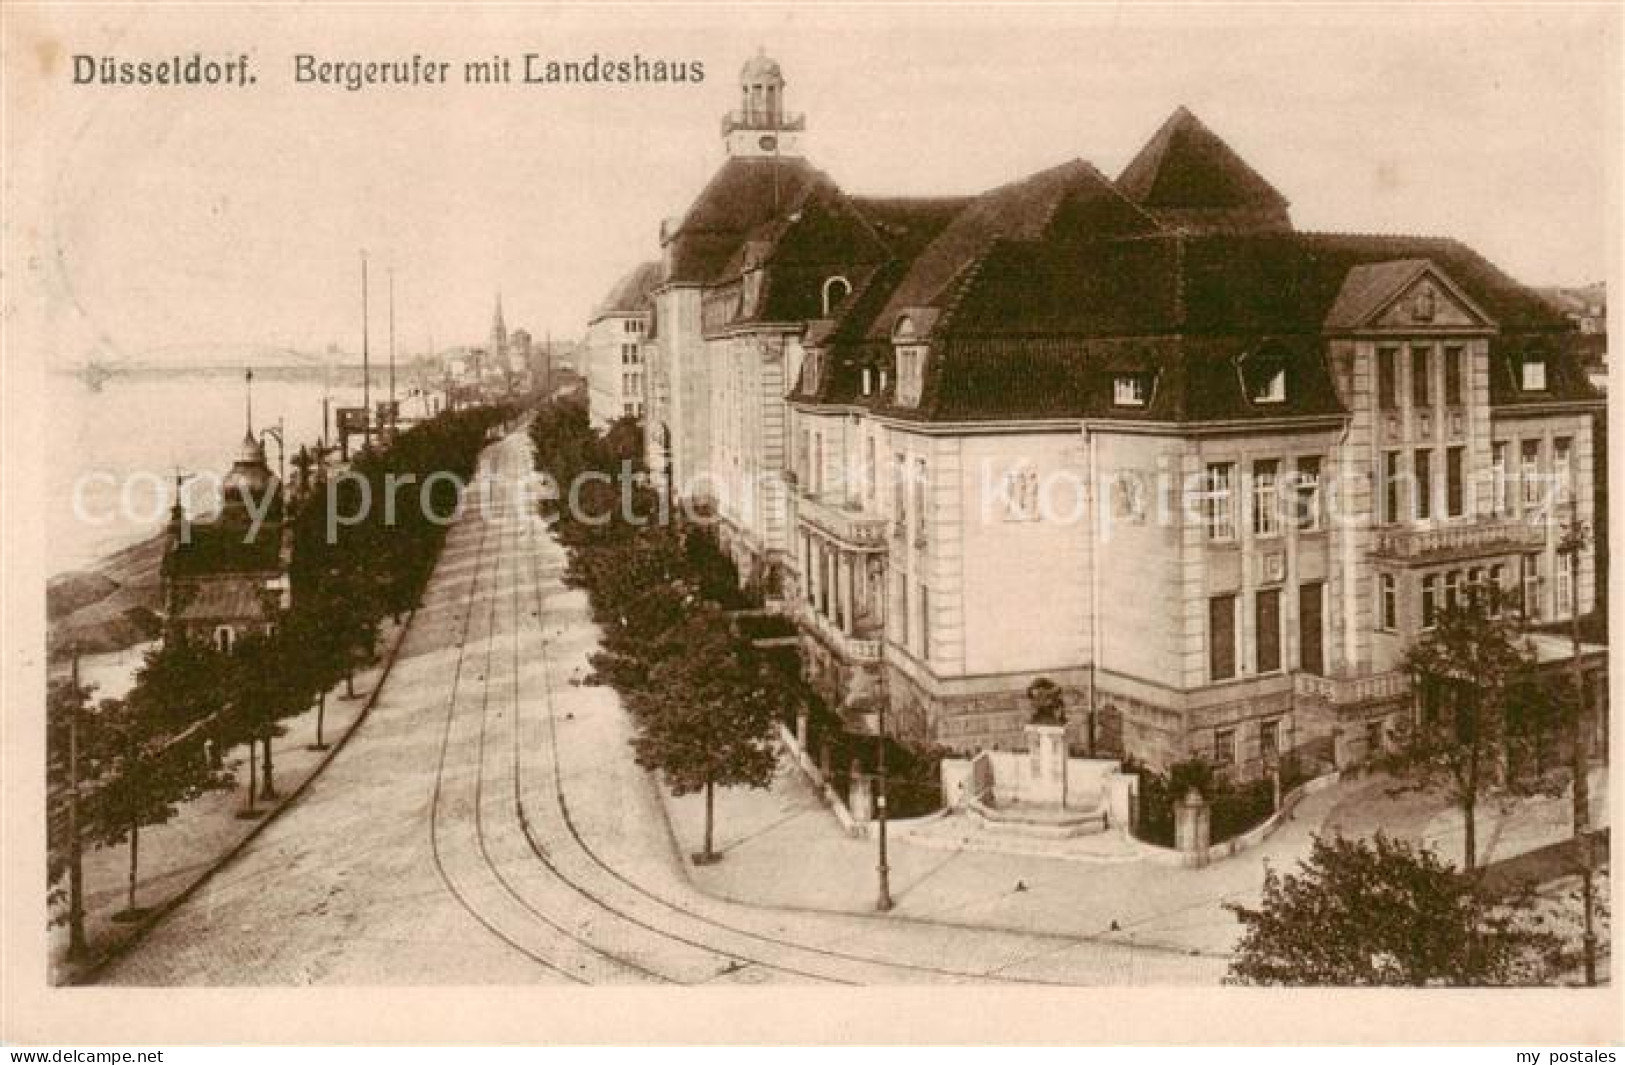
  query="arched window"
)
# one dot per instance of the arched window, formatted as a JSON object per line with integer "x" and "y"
{"x": 223, "y": 639}
{"x": 836, "y": 289}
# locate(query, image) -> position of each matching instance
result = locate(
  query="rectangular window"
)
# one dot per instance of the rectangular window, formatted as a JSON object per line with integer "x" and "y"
{"x": 1453, "y": 368}
{"x": 817, "y": 478}
{"x": 1563, "y": 468}
{"x": 1373, "y": 737}
{"x": 1221, "y": 637}
{"x": 1452, "y": 589}
{"x": 1307, "y": 493}
{"x": 899, "y": 495}
{"x": 925, "y": 622}
{"x": 922, "y": 519}
{"x": 1266, "y": 498}
{"x": 1391, "y": 479}
{"x": 871, "y": 470}
{"x": 1497, "y": 589}
{"x": 1224, "y": 747}
{"x": 1532, "y": 587}
{"x": 1430, "y": 600}
{"x": 1388, "y": 602}
{"x": 1269, "y": 739}
{"x": 868, "y": 381}
{"x": 1563, "y": 589}
{"x": 1424, "y": 484}
{"x": 1421, "y": 377}
{"x": 1311, "y": 611}
{"x": 1534, "y": 374}
{"x": 1387, "y": 378}
{"x": 1529, "y": 472}
{"x": 1217, "y": 505}
{"x": 1500, "y": 499}
{"x": 1267, "y": 619}
{"x": 1131, "y": 390}
{"x": 1454, "y": 490}
{"x": 901, "y": 613}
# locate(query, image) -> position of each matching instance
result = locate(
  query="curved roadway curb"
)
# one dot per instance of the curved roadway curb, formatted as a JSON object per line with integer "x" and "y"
{"x": 90, "y": 973}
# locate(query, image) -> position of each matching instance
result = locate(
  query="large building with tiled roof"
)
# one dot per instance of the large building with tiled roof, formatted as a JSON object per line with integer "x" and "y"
{"x": 1141, "y": 437}
{"x": 616, "y": 335}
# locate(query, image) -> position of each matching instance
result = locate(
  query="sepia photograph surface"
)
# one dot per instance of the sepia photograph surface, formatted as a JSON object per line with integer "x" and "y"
{"x": 1062, "y": 513}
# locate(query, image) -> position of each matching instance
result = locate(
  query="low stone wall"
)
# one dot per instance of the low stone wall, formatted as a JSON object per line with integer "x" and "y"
{"x": 999, "y": 777}
{"x": 1247, "y": 840}
{"x": 815, "y": 777}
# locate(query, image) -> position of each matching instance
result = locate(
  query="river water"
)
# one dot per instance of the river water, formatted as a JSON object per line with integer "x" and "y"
{"x": 113, "y": 452}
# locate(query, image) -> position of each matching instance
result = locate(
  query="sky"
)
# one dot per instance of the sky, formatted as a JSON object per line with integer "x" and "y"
{"x": 167, "y": 224}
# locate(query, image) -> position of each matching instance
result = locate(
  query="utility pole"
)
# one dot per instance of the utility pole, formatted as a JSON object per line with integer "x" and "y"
{"x": 392, "y": 349}
{"x": 1572, "y": 545}
{"x": 883, "y": 900}
{"x": 76, "y": 873}
{"x": 366, "y": 364}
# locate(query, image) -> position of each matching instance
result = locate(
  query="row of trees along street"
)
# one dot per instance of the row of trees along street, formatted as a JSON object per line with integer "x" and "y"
{"x": 704, "y": 701}
{"x": 1490, "y": 726}
{"x": 116, "y": 766}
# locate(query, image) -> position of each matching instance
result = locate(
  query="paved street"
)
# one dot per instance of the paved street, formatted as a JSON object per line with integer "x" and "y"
{"x": 486, "y": 824}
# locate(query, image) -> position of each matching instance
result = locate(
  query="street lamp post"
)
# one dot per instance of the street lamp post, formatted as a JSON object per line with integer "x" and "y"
{"x": 1569, "y": 549}
{"x": 883, "y": 899}
{"x": 76, "y": 872}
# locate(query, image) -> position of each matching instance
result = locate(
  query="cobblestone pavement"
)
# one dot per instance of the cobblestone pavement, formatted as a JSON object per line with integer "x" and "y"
{"x": 487, "y": 825}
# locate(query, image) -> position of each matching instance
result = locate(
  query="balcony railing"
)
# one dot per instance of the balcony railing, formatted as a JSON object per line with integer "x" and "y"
{"x": 854, "y": 648}
{"x": 1484, "y": 537}
{"x": 851, "y": 527}
{"x": 785, "y": 121}
{"x": 1349, "y": 691}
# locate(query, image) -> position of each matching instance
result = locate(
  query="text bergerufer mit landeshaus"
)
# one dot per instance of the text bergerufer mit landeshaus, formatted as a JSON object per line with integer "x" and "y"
{"x": 529, "y": 68}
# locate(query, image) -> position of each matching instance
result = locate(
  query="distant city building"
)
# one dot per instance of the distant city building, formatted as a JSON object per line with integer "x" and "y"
{"x": 616, "y": 335}
{"x": 954, "y": 438}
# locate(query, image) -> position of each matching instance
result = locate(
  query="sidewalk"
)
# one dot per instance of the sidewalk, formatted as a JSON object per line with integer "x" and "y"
{"x": 176, "y": 856}
{"x": 781, "y": 847}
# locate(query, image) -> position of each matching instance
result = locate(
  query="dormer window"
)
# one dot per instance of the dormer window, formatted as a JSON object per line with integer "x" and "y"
{"x": 811, "y": 370}
{"x": 910, "y": 375}
{"x": 1263, "y": 375}
{"x": 1534, "y": 373}
{"x": 1131, "y": 389}
{"x": 836, "y": 289}
{"x": 868, "y": 381}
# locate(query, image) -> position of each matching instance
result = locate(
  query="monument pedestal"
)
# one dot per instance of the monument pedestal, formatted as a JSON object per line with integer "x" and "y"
{"x": 1046, "y": 765}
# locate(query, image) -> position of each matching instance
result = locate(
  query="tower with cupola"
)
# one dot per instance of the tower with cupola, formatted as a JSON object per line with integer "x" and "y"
{"x": 761, "y": 127}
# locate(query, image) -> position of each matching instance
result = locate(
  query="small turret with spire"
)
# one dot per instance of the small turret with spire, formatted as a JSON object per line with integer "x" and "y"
{"x": 499, "y": 337}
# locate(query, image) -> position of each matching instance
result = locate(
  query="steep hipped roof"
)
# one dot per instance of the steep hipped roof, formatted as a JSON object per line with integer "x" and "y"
{"x": 215, "y": 548}
{"x": 1186, "y": 175}
{"x": 630, "y": 293}
{"x": 1039, "y": 328}
{"x": 1073, "y": 194}
{"x": 744, "y": 194}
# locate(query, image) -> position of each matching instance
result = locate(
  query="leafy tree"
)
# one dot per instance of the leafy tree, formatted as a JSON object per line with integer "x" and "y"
{"x": 179, "y": 685}
{"x": 145, "y": 772}
{"x": 1463, "y": 669}
{"x": 1378, "y": 912}
{"x": 273, "y": 683}
{"x": 68, "y": 767}
{"x": 707, "y": 717}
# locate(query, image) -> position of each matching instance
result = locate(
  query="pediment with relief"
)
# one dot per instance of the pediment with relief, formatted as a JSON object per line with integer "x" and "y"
{"x": 1405, "y": 296}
